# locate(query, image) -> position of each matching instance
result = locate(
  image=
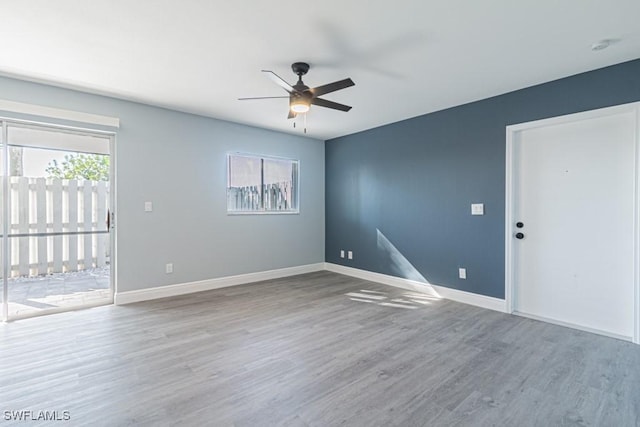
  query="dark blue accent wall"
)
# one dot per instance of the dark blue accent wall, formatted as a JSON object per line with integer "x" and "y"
{"x": 399, "y": 196}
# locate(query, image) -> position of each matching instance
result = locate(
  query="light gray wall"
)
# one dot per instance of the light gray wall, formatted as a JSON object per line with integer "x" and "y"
{"x": 178, "y": 162}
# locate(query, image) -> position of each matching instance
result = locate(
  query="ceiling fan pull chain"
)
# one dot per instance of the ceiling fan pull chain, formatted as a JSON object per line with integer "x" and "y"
{"x": 305, "y": 122}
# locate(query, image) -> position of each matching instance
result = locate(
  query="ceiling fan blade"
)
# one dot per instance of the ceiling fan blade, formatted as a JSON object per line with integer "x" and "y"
{"x": 330, "y": 104}
{"x": 262, "y": 97}
{"x": 291, "y": 115}
{"x": 279, "y": 81}
{"x": 331, "y": 87}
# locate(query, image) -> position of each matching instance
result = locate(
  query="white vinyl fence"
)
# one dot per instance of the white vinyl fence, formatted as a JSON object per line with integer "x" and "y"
{"x": 277, "y": 197}
{"x": 57, "y": 206}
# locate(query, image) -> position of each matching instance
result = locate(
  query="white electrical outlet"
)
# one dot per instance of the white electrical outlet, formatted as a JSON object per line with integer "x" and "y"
{"x": 477, "y": 209}
{"x": 168, "y": 268}
{"x": 462, "y": 273}
{"x": 148, "y": 206}
{"x": 350, "y": 254}
{"x": 341, "y": 253}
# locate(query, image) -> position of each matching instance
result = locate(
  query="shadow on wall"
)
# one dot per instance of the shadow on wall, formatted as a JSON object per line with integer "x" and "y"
{"x": 400, "y": 266}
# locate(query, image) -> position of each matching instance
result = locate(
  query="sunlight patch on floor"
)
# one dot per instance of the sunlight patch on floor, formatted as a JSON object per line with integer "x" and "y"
{"x": 361, "y": 300}
{"x": 363, "y": 295}
{"x": 380, "y": 298}
{"x": 391, "y": 304}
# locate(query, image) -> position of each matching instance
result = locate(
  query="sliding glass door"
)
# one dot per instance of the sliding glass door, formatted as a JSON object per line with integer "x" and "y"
{"x": 56, "y": 198}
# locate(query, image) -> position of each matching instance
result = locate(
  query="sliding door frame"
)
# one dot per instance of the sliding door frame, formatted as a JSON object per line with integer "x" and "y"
{"x": 5, "y": 122}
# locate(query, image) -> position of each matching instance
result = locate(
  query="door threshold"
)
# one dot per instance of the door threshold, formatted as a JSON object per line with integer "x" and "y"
{"x": 58, "y": 310}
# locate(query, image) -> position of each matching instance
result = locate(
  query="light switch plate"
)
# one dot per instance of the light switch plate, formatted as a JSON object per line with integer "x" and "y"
{"x": 462, "y": 273}
{"x": 148, "y": 206}
{"x": 477, "y": 209}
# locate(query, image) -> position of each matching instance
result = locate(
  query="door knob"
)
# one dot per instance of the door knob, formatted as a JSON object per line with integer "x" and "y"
{"x": 519, "y": 236}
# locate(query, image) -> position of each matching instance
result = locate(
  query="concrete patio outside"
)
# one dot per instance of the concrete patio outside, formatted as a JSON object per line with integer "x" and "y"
{"x": 31, "y": 295}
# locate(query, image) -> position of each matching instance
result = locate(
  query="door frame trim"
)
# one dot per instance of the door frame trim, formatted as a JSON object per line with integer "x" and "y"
{"x": 53, "y": 126}
{"x": 512, "y": 133}
{"x": 113, "y": 231}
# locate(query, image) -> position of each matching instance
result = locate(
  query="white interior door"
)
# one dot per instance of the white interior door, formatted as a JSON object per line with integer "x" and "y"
{"x": 574, "y": 187}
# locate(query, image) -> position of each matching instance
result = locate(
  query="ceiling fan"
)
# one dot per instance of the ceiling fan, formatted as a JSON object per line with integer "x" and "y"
{"x": 302, "y": 96}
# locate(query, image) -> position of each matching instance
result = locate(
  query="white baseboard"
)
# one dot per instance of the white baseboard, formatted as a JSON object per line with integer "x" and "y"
{"x": 128, "y": 297}
{"x": 397, "y": 282}
{"x": 434, "y": 290}
{"x": 470, "y": 298}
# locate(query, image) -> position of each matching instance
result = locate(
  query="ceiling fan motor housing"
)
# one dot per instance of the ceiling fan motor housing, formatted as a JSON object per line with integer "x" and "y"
{"x": 300, "y": 68}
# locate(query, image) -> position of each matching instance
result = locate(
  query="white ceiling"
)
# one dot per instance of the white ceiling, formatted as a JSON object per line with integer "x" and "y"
{"x": 407, "y": 57}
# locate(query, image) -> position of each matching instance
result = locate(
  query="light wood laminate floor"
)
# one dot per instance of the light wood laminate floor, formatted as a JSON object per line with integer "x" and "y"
{"x": 319, "y": 349}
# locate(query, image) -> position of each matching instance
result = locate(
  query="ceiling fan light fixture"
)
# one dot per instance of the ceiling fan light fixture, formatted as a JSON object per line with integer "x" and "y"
{"x": 299, "y": 105}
